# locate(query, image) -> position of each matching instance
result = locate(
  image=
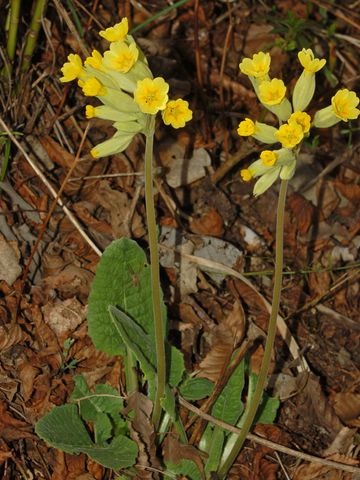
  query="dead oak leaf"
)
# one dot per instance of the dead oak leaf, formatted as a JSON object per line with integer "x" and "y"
{"x": 223, "y": 340}
{"x": 174, "y": 452}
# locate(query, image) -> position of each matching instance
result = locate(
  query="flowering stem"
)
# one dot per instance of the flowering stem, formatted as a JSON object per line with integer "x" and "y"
{"x": 155, "y": 272}
{"x": 260, "y": 386}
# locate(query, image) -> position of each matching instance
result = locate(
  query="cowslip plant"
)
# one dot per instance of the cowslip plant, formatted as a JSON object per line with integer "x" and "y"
{"x": 131, "y": 98}
{"x": 281, "y": 163}
{"x": 123, "y": 318}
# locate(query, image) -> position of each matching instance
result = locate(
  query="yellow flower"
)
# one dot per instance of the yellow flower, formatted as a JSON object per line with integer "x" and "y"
{"x": 95, "y": 60}
{"x": 177, "y": 113}
{"x": 302, "y": 119}
{"x": 72, "y": 69}
{"x": 121, "y": 57}
{"x": 116, "y": 33}
{"x": 246, "y": 128}
{"x": 90, "y": 111}
{"x": 151, "y": 95}
{"x": 290, "y": 135}
{"x": 258, "y": 66}
{"x": 246, "y": 174}
{"x": 344, "y": 104}
{"x": 268, "y": 157}
{"x": 272, "y": 92}
{"x": 92, "y": 87}
{"x": 309, "y": 62}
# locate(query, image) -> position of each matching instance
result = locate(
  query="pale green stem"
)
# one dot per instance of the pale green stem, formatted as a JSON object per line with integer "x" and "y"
{"x": 31, "y": 39}
{"x": 155, "y": 273}
{"x": 260, "y": 386}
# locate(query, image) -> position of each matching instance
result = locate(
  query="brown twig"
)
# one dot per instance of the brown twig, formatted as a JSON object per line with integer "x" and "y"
{"x": 268, "y": 443}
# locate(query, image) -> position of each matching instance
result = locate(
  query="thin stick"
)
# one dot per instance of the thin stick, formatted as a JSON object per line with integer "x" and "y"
{"x": 53, "y": 192}
{"x": 267, "y": 443}
{"x": 249, "y": 415}
{"x": 51, "y": 210}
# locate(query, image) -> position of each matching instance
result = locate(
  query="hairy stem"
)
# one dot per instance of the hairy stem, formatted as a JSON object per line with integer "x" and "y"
{"x": 260, "y": 386}
{"x": 155, "y": 273}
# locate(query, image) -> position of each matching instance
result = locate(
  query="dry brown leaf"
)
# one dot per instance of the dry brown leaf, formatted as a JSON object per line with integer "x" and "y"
{"x": 11, "y": 428}
{"x": 64, "y": 317}
{"x": 84, "y": 211}
{"x": 223, "y": 340}
{"x": 347, "y": 407}
{"x": 174, "y": 452}
{"x": 27, "y": 374}
{"x": 313, "y": 471}
{"x": 56, "y": 152}
{"x": 301, "y": 211}
{"x": 10, "y": 269}
{"x": 118, "y": 204}
{"x": 143, "y": 433}
{"x": 312, "y": 413}
{"x": 351, "y": 191}
{"x": 10, "y": 336}
{"x": 209, "y": 223}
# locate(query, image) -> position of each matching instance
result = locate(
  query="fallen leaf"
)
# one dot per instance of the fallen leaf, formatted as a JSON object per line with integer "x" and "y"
{"x": 64, "y": 317}
{"x": 143, "y": 433}
{"x": 223, "y": 340}
{"x": 10, "y": 269}
{"x": 11, "y": 428}
{"x": 174, "y": 452}
{"x": 347, "y": 407}
{"x": 181, "y": 170}
{"x": 208, "y": 223}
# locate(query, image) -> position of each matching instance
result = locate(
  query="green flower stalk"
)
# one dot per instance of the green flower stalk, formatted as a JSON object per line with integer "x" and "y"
{"x": 130, "y": 98}
{"x": 276, "y": 163}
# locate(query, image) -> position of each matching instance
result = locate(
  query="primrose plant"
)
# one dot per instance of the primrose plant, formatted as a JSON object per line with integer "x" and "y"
{"x": 294, "y": 126}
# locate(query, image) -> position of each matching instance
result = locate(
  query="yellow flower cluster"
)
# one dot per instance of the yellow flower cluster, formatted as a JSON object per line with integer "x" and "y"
{"x": 272, "y": 94}
{"x": 122, "y": 81}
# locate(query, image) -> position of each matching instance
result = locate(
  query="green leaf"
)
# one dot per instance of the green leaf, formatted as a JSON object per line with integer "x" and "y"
{"x": 105, "y": 399}
{"x": 228, "y": 407}
{"x": 102, "y": 428}
{"x": 137, "y": 341}
{"x": 187, "y": 468}
{"x": 215, "y": 451}
{"x": 176, "y": 366}
{"x": 269, "y": 405}
{"x": 120, "y": 453}
{"x": 196, "y": 388}
{"x": 122, "y": 279}
{"x": 267, "y": 410}
{"x": 63, "y": 428}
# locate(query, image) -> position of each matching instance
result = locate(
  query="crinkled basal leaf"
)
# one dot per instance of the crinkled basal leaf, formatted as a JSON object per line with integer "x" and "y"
{"x": 63, "y": 428}
{"x": 228, "y": 407}
{"x": 122, "y": 279}
{"x": 105, "y": 399}
{"x": 196, "y": 388}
